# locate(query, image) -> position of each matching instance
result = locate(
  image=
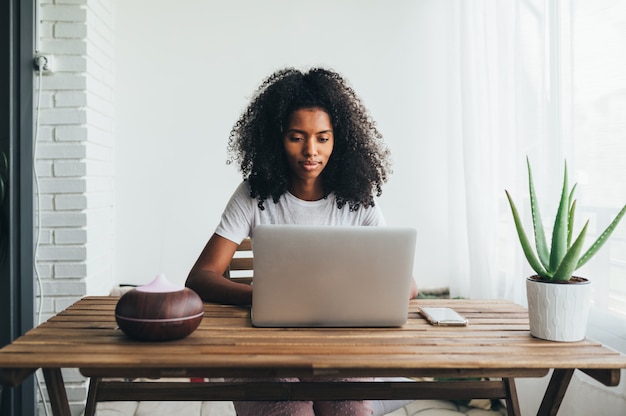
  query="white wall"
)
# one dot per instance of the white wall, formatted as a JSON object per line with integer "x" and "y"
{"x": 185, "y": 71}
{"x": 75, "y": 150}
{"x": 75, "y": 168}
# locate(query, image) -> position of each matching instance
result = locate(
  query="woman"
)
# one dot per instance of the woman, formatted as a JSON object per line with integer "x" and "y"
{"x": 309, "y": 154}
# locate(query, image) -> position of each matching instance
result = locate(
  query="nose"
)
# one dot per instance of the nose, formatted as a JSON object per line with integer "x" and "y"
{"x": 309, "y": 147}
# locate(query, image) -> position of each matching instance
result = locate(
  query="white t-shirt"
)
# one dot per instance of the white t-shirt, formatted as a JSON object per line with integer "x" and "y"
{"x": 242, "y": 214}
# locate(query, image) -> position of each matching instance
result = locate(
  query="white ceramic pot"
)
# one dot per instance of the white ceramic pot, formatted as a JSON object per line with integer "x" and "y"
{"x": 558, "y": 311}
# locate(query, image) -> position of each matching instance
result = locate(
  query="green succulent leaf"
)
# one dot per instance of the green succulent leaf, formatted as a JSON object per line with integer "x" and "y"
{"x": 559, "y": 233}
{"x": 602, "y": 239}
{"x": 570, "y": 223}
{"x": 571, "y": 194}
{"x": 570, "y": 260}
{"x": 540, "y": 236}
{"x": 526, "y": 246}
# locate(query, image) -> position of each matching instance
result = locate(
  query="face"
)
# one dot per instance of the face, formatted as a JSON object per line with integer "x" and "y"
{"x": 308, "y": 142}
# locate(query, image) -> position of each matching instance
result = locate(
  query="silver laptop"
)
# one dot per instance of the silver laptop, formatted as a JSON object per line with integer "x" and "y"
{"x": 323, "y": 276}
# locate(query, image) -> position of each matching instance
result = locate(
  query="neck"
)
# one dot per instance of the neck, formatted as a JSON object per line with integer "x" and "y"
{"x": 307, "y": 191}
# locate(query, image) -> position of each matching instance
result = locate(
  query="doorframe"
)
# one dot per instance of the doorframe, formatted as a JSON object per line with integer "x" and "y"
{"x": 17, "y": 46}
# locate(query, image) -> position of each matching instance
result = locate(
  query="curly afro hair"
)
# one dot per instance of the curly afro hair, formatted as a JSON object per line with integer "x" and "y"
{"x": 359, "y": 163}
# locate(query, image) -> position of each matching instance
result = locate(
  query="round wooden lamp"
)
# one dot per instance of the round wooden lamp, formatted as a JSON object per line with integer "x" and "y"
{"x": 159, "y": 311}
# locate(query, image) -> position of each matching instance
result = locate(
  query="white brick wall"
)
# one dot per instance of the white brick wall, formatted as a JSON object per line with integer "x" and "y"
{"x": 75, "y": 162}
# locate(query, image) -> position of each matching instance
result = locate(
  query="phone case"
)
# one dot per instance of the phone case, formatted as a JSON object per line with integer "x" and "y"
{"x": 443, "y": 316}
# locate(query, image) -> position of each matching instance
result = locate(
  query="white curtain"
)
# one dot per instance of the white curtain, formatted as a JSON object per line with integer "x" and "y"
{"x": 523, "y": 66}
{"x": 599, "y": 127}
{"x": 508, "y": 105}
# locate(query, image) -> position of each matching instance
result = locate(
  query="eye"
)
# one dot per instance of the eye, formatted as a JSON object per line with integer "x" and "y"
{"x": 322, "y": 139}
{"x": 295, "y": 138}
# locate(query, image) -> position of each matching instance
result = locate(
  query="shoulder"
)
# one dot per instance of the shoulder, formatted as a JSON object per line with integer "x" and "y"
{"x": 241, "y": 194}
{"x": 238, "y": 215}
{"x": 240, "y": 200}
{"x": 373, "y": 216}
{"x": 243, "y": 189}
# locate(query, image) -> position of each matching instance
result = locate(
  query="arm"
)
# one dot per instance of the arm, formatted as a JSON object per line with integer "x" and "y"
{"x": 206, "y": 276}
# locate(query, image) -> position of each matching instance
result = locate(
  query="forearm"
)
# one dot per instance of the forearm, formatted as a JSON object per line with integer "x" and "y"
{"x": 212, "y": 287}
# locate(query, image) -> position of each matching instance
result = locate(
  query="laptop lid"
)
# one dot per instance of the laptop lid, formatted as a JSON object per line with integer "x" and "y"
{"x": 326, "y": 276}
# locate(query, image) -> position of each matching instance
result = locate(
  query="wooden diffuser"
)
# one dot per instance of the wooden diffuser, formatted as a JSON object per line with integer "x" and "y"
{"x": 159, "y": 311}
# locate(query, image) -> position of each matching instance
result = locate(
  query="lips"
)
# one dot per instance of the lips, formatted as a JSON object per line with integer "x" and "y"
{"x": 310, "y": 164}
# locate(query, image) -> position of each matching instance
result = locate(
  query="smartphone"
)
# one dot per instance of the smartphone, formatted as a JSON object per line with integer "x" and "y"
{"x": 443, "y": 316}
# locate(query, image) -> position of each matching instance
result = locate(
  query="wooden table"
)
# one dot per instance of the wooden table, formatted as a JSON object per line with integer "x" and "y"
{"x": 495, "y": 345}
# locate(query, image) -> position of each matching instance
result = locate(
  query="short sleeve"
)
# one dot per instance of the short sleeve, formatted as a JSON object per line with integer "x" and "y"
{"x": 373, "y": 217}
{"x": 236, "y": 221}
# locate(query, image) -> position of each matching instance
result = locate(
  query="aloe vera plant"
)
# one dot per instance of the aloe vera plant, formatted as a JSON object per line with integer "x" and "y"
{"x": 558, "y": 262}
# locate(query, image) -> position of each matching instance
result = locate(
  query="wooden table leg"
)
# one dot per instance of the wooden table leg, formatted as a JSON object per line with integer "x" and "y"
{"x": 56, "y": 392}
{"x": 92, "y": 396}
{"x": 555, "y": 392}
{"x": 512, "y": 403}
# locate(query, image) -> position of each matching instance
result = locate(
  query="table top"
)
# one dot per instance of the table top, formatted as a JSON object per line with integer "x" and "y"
{"x": 496, "y": 343}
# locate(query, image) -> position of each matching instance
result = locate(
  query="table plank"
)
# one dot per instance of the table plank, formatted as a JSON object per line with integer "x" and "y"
{"x": 497, "y": 338}
{"x": 496, "y": 344}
